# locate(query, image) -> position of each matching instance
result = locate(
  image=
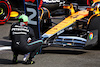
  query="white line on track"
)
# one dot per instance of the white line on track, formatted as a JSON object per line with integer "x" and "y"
{"x": 5, "y": 48}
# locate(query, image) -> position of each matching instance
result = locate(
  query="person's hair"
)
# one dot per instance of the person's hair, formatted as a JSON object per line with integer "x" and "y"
{"x": 23, "y": 18}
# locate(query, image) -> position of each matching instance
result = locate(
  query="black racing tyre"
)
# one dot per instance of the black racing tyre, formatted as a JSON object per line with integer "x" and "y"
{"x": 4, "y": 12}
{"x": 94, "y": 24}
{"x": 49, "y": 6}
{"x": 82, "y": 2}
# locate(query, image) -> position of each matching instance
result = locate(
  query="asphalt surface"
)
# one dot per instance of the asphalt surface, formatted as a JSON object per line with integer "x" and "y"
{"x": 51, "y": 57}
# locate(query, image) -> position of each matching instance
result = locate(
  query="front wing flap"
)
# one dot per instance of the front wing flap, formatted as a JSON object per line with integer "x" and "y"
{"x": 68, "y": 41}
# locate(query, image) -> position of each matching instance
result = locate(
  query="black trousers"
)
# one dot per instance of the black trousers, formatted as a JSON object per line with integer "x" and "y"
{"x": 32, "y": 49}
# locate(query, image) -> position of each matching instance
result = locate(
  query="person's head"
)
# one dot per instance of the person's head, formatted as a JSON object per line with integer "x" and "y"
{"x": 23, "y": 19}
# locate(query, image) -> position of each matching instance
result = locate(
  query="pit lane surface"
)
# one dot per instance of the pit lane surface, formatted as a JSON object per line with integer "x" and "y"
{"x": 51, "y": 57}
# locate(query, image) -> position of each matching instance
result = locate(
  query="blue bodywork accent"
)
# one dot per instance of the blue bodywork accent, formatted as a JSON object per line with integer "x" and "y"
{"x": 35, "y": 42}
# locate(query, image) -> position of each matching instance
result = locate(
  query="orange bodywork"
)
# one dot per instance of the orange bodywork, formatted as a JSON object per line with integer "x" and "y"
{"x": 96, "y": 0}
{"x": 68, "y": 21}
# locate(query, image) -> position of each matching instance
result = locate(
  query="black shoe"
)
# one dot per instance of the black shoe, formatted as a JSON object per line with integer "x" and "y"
{"x": 14, "y": 61}
{"x": 29, "y": 62}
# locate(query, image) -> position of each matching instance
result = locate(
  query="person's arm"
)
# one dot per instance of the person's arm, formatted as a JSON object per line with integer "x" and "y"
{"x": 31, "y": 34}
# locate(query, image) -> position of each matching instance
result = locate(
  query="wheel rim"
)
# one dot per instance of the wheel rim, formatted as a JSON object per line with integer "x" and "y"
{"x": 4, "y": 12}
{"x": 1, "y": 11}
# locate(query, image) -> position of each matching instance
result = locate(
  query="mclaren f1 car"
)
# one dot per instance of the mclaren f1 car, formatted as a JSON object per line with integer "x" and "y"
{"x": 79, "y": 30}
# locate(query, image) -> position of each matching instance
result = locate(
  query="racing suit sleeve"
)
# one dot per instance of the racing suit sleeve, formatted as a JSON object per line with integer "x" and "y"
{"x": 31, "y": 34}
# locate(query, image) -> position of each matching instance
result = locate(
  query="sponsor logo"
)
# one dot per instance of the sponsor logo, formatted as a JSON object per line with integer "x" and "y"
{"x": 91, "y": 35}
{"x": 51, "y": 1}
{"x": 61, "y": 2}
{"x": 69, "y": 44}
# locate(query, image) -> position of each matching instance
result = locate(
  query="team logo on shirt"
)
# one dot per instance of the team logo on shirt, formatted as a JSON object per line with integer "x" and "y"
{"x": 20, "y": 30}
